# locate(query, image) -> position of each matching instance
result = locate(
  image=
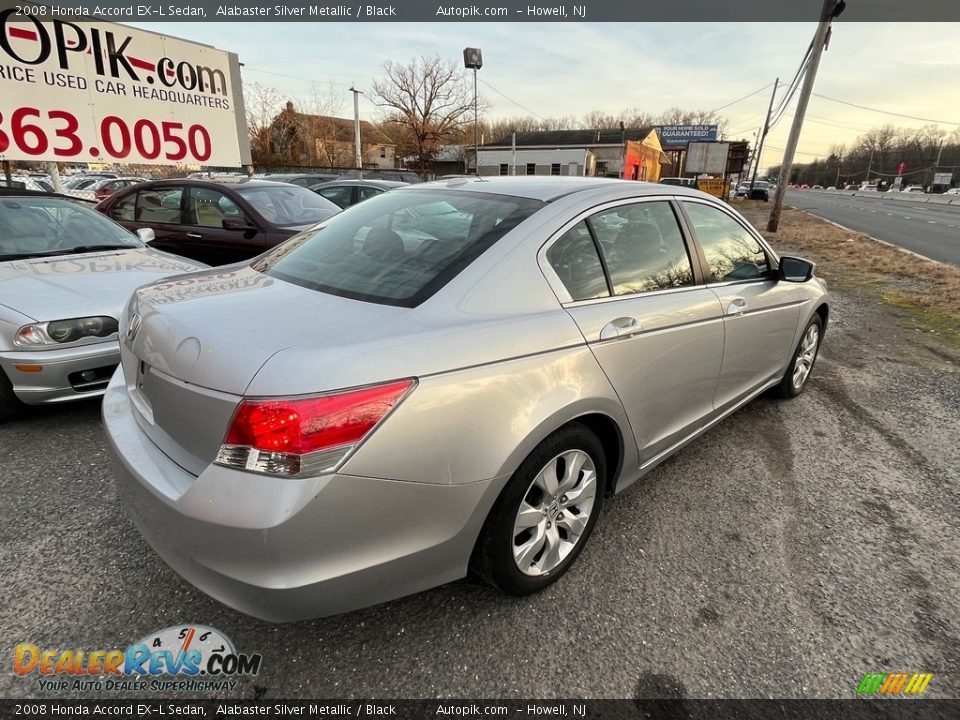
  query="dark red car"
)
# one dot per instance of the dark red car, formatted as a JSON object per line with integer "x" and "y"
{"x": 217, "y": 222}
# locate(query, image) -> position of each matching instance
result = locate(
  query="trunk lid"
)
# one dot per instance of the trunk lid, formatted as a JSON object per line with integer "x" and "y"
{"x": 202, "y": 339}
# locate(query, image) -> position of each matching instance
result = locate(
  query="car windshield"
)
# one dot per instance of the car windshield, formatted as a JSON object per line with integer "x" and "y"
{"x": 287, "y": 205}
{"x": 51, "y": 226}
{"x": 398, "y": 248}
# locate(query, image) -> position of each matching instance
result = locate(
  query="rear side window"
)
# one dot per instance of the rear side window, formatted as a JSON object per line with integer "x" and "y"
{"x": 731, "y": 250}
{"x": 398, "y": 248}
{"x": 643, "y": 247}
{"x": 160, "y": 205}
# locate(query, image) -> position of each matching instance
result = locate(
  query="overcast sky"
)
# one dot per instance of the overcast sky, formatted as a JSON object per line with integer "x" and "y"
{"x": 556, "y": 69}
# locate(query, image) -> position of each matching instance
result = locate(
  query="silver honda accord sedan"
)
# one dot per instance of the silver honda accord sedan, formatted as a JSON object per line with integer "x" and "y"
{"x": 66, "y": 272}
{"x": 446, "y": 378}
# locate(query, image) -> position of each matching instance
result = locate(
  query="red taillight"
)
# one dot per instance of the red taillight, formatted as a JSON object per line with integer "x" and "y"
{"x": 298, "y": 426}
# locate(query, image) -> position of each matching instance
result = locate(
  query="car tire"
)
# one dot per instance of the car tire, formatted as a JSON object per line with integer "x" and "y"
{"x": 801, "y": 364}
{"x": 526, "y": 516}
{"x": 10, "y": 406}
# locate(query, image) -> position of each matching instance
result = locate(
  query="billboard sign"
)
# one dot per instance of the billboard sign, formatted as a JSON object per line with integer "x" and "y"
{"x": 91, "y": 91}
{"x": 673, "y": 137}
{"x": 942, "y": 178}
{"x": 707, "y": 157}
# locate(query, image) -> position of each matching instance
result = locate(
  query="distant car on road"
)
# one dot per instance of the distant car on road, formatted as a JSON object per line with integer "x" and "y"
{"x": 345, "y": 193}
{"x": 913, "y": 189}
{"x": 760, "y": 190}
{"x": 218, "y": 222}
{"x": 953, "y": 191}
{"x": 832, "y": 187}
{"x": 817, "y": 187}
{"x": 681, "y": 181}
{"x": 66, "y": 273}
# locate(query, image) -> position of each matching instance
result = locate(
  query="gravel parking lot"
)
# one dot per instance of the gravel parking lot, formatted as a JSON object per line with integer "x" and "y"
{"x": 796, "y": 547}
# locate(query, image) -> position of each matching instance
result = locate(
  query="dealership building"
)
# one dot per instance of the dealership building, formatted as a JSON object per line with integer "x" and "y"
{"x": 632, "y": 153}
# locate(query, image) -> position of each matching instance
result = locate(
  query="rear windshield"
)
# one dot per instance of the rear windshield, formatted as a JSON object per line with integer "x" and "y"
{"x": 398, "y": 248}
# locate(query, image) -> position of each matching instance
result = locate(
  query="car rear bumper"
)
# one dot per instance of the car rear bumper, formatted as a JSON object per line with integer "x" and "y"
{"x": 51, "y": 376}
{"x": 287, "y": 549}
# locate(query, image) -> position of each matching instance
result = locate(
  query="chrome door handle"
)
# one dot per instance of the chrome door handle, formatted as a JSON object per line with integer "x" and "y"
{"x": 195, "y": 236}
{"x": 621, "y": 327}
{"x": 737, "y": 306}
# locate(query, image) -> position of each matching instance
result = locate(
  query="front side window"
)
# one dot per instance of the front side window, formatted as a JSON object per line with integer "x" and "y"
{"x": 208, "y": 208}
{"x": 368, "y": 192}
{"x": 731, "y": 250}
{"x": 398, "y": 248}
{"x": 574, "y": 259}
{"x": 643, "y": 247}
{"x": 337, "y": 194}
{"x": 124, "y": 208}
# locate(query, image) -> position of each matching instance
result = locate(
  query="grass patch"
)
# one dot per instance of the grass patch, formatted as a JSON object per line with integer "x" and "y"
{"x": 928, "y": 291}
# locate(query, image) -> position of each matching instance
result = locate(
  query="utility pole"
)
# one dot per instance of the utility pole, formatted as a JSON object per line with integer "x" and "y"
{"x": 358, "y": 152}
{"x": 937, "y": 164}
{"x": 763, "y": 136}
{"x": 830, "y": 10}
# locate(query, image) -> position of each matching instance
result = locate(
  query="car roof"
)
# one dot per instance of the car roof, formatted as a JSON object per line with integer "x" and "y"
{"x": 385, "y": 184}
{"x": 268, "y": 176}
{"x": 547, "y": 188}
{"x": 221, "y": 182}
{"x": 17, "y": 192}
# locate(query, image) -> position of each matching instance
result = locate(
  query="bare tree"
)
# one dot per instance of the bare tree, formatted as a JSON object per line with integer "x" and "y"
{"x": 431, "y": 98}
{"x": 262, "y": 105}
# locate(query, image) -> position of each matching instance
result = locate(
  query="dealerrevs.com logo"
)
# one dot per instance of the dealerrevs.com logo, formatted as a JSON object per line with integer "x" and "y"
{"x": 183, "y": 657}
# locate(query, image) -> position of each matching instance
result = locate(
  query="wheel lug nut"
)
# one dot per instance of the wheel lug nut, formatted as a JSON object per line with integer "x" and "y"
{"x": 549, "y": 524}
{"x": 563, "y": 499}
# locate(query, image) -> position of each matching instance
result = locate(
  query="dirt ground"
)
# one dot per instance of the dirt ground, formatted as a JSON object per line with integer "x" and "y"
{"x": 927, "y": 292}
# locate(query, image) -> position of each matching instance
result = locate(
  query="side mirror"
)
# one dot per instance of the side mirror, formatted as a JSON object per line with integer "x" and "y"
{"x": 146, "y": 234}
{"x": 234, "y": 223}
{"x": 795, "y": 270}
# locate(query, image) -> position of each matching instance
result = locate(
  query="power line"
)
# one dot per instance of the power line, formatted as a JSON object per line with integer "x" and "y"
{"x": 771, "y": 147}
{"x": 745, "y": 97}
{"x": 792, "y": 89}
{"x": 312, "y": 81}
{"x": 522, "y": 107}
{"x": 886, "y": 112}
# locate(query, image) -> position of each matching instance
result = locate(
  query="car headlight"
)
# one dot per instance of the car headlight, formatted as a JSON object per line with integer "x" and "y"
{"x": 57, "y": 332}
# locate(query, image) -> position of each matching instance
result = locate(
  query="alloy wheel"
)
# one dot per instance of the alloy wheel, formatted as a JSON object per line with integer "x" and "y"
{"x": 806, "y": 355}
{"x": 554, "y": 512}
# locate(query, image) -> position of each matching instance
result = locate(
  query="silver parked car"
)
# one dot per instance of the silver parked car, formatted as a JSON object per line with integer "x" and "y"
{"x": 445, "y": 377}
{"x": 66, "y": 272}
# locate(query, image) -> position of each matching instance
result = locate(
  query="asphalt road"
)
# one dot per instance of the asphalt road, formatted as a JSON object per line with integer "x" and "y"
{"x": 796, "y": 547}
{"x": 930, "y": 229}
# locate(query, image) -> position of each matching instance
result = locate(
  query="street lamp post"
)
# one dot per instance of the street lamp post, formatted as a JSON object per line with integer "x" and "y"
{"x": 358, "y": 150}
{"x": 473, "y": 60}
